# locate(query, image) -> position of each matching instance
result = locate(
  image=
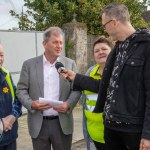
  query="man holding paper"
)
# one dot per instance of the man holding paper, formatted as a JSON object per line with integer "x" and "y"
{"x": 39, "y": 85}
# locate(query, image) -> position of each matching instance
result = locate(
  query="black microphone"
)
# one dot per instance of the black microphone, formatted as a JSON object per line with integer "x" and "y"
{"x": 60, "y": 67}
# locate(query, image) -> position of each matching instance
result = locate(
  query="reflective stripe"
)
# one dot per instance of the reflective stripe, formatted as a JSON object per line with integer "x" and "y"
{"x": 90, "y": 105}
{"x": 94, "y": 121}
{"x": 92, "y": 97}
{"x": 9, "y": 82}
{"x": 90, "y": 108}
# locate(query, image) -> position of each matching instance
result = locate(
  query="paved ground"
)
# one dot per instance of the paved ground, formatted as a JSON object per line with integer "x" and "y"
{"x": 24, "y": 141}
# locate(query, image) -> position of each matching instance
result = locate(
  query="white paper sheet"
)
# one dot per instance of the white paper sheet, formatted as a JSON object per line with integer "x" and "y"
{"x": 50, "y": 102}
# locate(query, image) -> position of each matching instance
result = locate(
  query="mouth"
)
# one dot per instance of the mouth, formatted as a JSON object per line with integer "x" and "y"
{"x": 58, "y": 51}
{"x": 102, "y": 56}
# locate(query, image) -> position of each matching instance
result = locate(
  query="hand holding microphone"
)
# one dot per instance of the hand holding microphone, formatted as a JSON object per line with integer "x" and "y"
{"x": 66, "y": 73}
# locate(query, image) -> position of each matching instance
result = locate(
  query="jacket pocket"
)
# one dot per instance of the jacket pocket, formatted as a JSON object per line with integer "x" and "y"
{"x": 130, "y": 86}
{"x": 133, "y": 62}
{"x": 133, "y": 69}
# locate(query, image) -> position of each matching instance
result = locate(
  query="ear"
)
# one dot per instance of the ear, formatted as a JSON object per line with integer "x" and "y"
{"x": 44, "y": 43}
{"x": 116, "y": 23}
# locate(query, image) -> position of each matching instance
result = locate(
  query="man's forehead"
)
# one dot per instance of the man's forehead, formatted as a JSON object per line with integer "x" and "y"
{"x": 56, "y": 36}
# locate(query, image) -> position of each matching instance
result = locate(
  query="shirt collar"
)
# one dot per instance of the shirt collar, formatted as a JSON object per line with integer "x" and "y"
{"x": 45, "y": 61}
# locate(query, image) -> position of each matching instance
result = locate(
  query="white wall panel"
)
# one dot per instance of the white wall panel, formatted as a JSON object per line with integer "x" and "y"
{"x": 15, "y": 78}
{"x": 18, "y": 46}
{"x": 40, "y": 48}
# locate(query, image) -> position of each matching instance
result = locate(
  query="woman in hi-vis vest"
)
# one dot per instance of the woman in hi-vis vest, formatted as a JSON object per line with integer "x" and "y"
{"x": 93, "y": 127}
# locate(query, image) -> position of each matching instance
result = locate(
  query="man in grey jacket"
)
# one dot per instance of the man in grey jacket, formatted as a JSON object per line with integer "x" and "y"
{"x": 48, "y": 125}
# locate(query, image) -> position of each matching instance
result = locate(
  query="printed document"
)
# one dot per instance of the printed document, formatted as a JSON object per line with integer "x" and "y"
{"x": 50, "y": 102}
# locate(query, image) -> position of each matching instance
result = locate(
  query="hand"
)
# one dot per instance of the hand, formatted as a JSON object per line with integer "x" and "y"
{"x": 8, "y": 122}
{"x": 40, "y": 106}
{"x": 68, "y": 74}
{"x": 62, "y": 108}
{"x": 145, "y": 144}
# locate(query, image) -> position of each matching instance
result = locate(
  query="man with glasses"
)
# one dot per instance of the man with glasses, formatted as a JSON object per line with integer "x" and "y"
{"x": 124, "y": 91}
{"x": 126, "y": 79}
{"x": 104, "y": 25}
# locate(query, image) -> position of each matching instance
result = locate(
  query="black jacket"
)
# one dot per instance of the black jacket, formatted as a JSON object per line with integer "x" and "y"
{"x": 132, "y": 94}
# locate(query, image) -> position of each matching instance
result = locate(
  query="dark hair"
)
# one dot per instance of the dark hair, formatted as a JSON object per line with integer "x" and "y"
{"x": 103, "y": 39}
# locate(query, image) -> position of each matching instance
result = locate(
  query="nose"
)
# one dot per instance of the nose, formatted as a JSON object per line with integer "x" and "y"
{"x": 59, "y": 45}
{"x": 100, "y": 51}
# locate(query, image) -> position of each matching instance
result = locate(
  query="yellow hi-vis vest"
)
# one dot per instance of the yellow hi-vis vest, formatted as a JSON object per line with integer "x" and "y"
{"x": 8, "y": 80}
{"x": 94, "y": 121}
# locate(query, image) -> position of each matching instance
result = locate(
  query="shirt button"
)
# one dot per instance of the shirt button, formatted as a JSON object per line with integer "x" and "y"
{"x": 113, "y": 101}
{"x": 111, "y": 116}
{"x": 132, "y": 63}
{"x": 105, "y": 69}
{"x": 117, "y": 86}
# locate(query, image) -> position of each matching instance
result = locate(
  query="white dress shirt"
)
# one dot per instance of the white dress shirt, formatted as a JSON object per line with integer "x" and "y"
{"x": 51, "y": 84}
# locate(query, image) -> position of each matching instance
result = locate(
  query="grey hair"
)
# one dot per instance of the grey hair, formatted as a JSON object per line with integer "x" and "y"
{"x": 117, "y": 11}
{"x": 52, "y": 30}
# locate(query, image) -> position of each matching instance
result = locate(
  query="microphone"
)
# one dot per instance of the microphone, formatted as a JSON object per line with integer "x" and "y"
{"x": 60, "y": 67}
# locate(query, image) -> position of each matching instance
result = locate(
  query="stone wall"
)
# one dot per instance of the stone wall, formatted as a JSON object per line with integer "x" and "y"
{"x": 90, "y": 57}
{"x": 76, "y": 44}
{"x": 79, "y": 45}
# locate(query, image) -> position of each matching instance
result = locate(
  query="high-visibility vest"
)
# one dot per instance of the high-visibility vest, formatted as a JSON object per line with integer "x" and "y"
{"x": 8, "y": 80}
{"x": 94, "y": 121}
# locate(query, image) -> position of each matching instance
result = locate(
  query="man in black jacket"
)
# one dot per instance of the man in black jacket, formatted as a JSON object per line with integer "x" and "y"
{"x": 124, "y": 91}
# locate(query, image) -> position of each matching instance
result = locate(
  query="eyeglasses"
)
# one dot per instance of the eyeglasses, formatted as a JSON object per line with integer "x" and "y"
{"x": 104, "y": 25}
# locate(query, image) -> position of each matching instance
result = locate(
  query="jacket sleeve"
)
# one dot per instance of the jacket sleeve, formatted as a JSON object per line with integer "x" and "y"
{"x": 83, "y": 82}
{"x": 74, "y": 95}
{"x": 16, "y": 106}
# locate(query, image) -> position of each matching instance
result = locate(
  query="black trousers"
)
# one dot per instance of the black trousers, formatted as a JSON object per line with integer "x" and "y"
{"x": 116, "y": 140}
{"x": 99, "y": 146}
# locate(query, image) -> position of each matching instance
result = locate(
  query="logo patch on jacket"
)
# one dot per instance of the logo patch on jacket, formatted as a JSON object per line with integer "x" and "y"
{"x": 5, "y": 90}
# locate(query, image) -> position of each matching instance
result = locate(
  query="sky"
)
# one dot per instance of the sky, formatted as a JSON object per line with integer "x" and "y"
{"x": 6, "y": 20}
